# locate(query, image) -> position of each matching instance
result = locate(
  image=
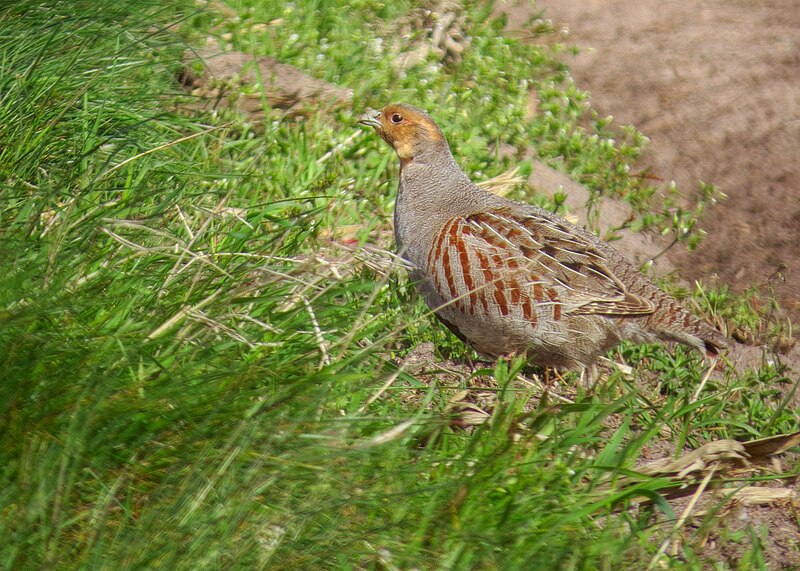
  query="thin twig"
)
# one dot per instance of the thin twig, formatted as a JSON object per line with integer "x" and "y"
{"x": 185, "y": 222}
{"x": 662, "y": 252}
{"x": 169, "y": 323}
{"x": 323, "y": 345}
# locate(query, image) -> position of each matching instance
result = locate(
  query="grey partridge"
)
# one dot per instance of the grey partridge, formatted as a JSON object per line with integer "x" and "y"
{"x": 510, "y": 278}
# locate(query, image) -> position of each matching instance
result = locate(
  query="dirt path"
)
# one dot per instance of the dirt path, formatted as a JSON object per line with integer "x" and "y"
{"x": 715, "y": 84}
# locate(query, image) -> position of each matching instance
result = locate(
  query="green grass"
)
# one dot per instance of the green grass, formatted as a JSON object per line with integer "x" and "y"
{"x": 188, "y": 360}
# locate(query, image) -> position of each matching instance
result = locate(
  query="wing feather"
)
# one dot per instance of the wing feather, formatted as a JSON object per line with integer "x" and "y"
{"x": 560, "y": 256}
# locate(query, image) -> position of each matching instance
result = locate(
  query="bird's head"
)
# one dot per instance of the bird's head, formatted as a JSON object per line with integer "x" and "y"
{"x": 410, "y": 131}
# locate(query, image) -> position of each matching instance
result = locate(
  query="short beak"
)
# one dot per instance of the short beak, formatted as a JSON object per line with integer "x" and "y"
{"x": 370, "y": 119}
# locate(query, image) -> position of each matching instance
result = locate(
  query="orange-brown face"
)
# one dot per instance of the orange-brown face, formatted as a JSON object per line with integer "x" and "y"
{"x": 407, "y": 129}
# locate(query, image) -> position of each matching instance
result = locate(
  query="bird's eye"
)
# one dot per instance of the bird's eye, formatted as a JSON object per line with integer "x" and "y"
{"x": 397, "y": 118}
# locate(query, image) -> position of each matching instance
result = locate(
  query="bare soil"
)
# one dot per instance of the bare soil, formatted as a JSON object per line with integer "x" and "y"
{"x": 715, "y": 85}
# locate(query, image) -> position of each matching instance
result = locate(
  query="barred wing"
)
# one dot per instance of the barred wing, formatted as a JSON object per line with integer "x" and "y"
{"x": 526, "y": 263}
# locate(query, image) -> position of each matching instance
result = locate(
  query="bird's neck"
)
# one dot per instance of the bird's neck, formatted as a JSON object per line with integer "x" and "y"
{"x": 431, "y": 175}
{"x": 433, "y": 189}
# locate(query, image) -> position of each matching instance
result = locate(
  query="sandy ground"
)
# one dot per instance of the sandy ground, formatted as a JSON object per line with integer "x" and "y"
{"x": 715, "y": 85}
